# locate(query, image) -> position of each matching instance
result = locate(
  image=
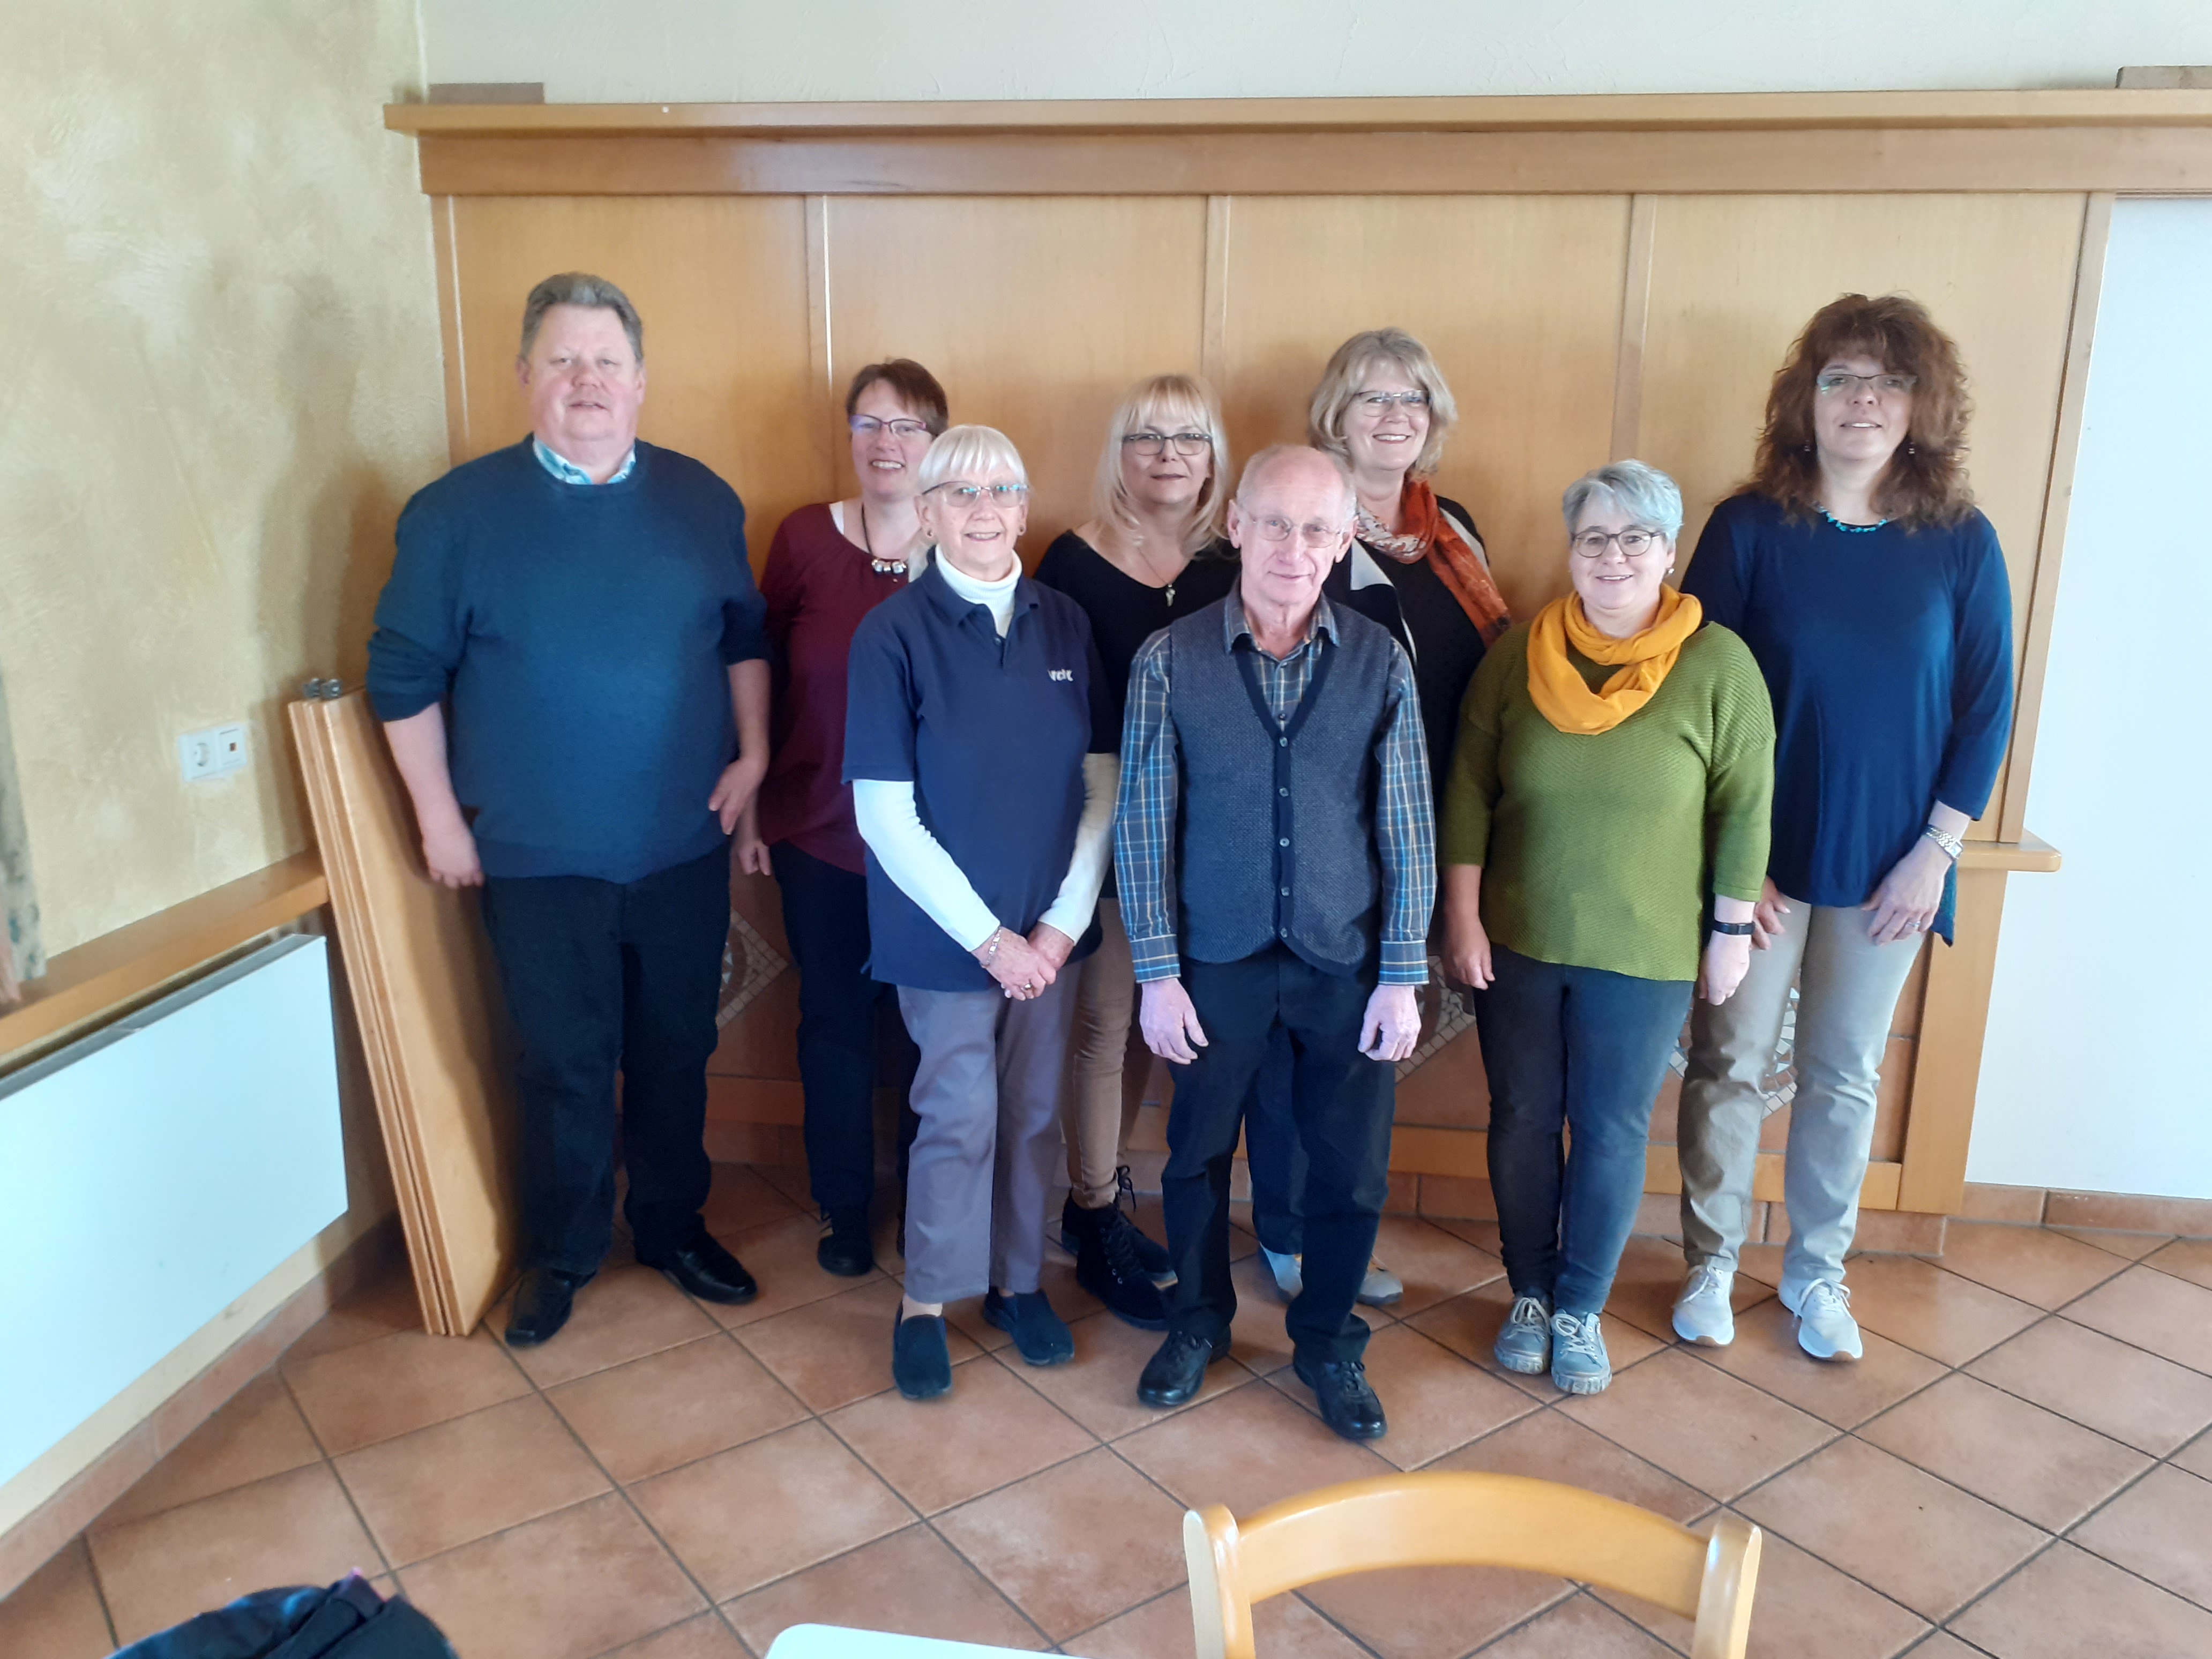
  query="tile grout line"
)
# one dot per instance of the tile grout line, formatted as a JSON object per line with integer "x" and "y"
{"x": 332, "y": 1463}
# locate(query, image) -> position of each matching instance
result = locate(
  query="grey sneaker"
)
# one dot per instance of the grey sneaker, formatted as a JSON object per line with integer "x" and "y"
{"x": 1580, "y": 1363}
{"x": 1524, "y": 1341}
{"x": 1702, "y": 1313}
{"x": 1826, "y": 1329}
{"x": 1381, "y": 1287}
{"x": 1289, "y": 1272}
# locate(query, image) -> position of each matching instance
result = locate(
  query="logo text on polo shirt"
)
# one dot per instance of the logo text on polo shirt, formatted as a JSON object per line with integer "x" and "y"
{"x": 1061, "y": 674}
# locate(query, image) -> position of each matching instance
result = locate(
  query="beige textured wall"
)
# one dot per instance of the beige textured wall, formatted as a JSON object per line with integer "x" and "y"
{"x": 219, "y": 381}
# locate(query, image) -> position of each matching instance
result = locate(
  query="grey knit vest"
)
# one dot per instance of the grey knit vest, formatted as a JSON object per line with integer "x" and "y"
{"x": 1277, "y": 839}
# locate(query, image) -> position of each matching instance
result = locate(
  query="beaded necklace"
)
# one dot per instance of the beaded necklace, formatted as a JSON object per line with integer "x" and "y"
{"x": 1854, "y": 529}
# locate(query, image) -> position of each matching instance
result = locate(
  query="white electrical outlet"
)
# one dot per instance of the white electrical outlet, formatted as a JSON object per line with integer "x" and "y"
{"x": 212, "y": 752}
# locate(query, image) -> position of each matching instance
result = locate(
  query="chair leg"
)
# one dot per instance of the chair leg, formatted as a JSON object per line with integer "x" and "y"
{"x": 1723, "y": 1629}
{"x": 1221, "y": 1613}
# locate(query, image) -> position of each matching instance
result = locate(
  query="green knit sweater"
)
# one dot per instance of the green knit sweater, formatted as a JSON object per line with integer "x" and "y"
{"x": 1600, "y": 851}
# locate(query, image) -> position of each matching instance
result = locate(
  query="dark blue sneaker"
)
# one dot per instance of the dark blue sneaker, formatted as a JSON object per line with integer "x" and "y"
{"x": 921, "y": 1363}
{"x": 1040, "y": 1336}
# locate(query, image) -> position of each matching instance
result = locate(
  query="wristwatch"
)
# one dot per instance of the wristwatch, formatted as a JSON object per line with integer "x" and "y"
{"x": 1733, "y": 929}
{"x": 1951, "y": 844}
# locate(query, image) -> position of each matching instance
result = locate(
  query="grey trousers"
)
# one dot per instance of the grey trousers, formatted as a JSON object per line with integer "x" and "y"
{"x": 1848, "y": 989}
{"x": 979, "y": 1176}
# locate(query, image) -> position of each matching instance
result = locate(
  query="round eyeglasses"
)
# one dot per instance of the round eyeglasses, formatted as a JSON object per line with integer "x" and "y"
{"x": 1149, "y": 444}
{"x": 1281, "y": 530}
{"x": 1833, "y": 380}
{"x": 866, "y": 426}
{"x": 1592, "y": 543}
{"x": 969, "y": 496}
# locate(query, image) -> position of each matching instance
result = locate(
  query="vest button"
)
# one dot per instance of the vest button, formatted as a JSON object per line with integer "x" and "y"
{"x": 1285, "y": 841}
{"x": 1282, "y": 743}
{"x": 1287, "y": 892}
{"x": 1282, "y": 791}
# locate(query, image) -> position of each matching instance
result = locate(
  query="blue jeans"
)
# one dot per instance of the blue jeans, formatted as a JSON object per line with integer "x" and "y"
{"x": 1577, "y": 1048}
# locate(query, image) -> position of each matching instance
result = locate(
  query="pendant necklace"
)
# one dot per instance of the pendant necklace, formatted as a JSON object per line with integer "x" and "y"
{"x": 882, "y": 567}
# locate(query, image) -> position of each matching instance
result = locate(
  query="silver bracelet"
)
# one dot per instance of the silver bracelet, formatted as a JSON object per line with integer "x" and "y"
{"x": 1951, "y": 844}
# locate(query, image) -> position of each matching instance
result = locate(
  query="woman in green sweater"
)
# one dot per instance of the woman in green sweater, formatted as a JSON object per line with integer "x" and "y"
{"x": 1604, "y": 839}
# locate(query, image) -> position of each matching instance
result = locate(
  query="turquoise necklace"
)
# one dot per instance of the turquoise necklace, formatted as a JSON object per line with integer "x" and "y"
{"x": 1853, "y": 529}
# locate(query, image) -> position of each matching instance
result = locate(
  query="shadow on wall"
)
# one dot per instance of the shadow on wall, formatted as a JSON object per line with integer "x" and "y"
{"x": 21, "y": 958}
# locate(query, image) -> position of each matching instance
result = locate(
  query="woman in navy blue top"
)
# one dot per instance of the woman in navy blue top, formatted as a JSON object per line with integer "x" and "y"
{"x": 980, "y": 745}
{"x": 1873, "y": 595}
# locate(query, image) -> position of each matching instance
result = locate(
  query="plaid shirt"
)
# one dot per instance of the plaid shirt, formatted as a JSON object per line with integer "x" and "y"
{"x": 1152, "y": 781}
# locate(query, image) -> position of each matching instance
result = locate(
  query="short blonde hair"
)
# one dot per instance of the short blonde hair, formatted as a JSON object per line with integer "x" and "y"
{"x": 962, "y": 452}
{"x": 1341, "y": 381}
{"x": 1167, "y": 403}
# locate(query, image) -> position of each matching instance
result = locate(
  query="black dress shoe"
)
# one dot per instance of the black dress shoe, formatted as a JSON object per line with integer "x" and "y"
{"x": 1347, "y": 1404}
{"x": 542, "y": 1304}
{"x": 846, "y": 1249}
{"x": 706, "y": 1270}
{"x": 1177, "y": 1372}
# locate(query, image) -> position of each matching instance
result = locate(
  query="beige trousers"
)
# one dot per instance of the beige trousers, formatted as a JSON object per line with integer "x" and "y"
{"x": 1105, "y": 1085}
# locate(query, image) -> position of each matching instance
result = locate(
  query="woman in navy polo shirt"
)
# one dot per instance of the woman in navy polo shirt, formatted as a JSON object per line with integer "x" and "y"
{"x": 979, "y": 743}
{"x": 1874, "y": 596}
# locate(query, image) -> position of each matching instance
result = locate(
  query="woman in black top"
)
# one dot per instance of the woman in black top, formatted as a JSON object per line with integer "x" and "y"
{"x": 1152, "y": 554}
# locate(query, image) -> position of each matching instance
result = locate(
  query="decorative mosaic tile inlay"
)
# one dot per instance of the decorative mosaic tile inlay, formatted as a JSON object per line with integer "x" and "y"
{"x": 748, "y": 964}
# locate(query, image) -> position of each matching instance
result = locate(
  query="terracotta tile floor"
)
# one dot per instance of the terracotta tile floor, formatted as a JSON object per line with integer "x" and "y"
{"x": 2020, "y": 1467}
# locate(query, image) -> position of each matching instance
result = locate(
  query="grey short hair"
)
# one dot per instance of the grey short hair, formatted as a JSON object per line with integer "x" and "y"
{"x": 577, "y": 288}
{"x": 1643, "y": 493}
{"x": 1274, "y": 452}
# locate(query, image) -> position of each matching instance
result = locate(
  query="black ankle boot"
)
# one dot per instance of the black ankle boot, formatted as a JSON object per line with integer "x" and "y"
{"x": 846, "y": 1249}
{"x": 1152, "y": 1254}
{"x": 1106, "y": 1265}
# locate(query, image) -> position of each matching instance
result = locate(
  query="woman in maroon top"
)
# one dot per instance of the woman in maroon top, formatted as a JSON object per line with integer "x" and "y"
{"x": 830, "y": 565}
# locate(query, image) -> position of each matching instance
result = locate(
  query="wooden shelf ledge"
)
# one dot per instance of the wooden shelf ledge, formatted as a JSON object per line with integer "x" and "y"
{"x": 115, "y": 969}
{"x": 1631, "y": 112}
{"x": 2030, "y": 854}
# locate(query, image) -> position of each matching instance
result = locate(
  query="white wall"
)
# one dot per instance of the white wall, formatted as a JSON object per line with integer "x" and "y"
{"x": 650, "y": 51}
{"x": 2093, "y": 1077}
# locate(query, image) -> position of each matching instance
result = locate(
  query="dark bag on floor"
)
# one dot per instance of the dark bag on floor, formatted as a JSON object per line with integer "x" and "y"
{"x": 348, "y": 1621}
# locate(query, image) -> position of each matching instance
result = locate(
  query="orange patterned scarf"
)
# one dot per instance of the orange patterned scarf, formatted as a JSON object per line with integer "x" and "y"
{"x": 1559, "y": 690}
{"x": 1423, "y": 531}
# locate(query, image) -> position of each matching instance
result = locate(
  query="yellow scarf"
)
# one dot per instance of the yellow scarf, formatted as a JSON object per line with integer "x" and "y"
{"x": 1558, "y": 690}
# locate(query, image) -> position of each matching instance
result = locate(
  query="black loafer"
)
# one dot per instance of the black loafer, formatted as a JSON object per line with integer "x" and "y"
{"x": 543, "y": 1302}
{"x": 846, "y": 1249}
{"x": 1174, "y": 1374}
{"x": 1347, "y": 1404}
{"x": 921, "y": 1363}
{"x": 706, "y": 1270}
{"x": 1041, "y": 1336}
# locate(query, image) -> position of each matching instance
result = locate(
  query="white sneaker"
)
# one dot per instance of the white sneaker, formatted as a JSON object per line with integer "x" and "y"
{"x": 1381, "y": 1287}
{"x": 1289, "y": 1272}
{"x": 1826, "y": 1329}
{"x": 1702, "y": 1314}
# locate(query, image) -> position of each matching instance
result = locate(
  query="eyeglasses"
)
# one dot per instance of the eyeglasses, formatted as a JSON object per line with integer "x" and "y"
{"x": 866, "y": 426}
{"x": 1831, "y": 381}
{"x": 967, "y": 497}
{"x": 1379, "y": 403}
{"x": 1149, "y": 444}
{"x": 1592, "y": 543}
{"x": 1281, "y": 530}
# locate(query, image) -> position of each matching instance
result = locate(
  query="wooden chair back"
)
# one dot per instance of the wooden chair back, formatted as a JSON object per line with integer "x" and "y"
{"x": 1467, "y": 1520}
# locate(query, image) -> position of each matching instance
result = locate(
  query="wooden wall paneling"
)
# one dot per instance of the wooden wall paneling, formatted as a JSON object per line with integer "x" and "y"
{"x": 1735, "y": 278}
{"x": 1518, "y": 297}
{"x": 721, "y": 287}
{"x": 1214, "y": 326}
{"x": 1037, "y": 313}
{"x": 1948, "y": 1066}
{"x": 431, "y": 1019}
{"x": 1635, "y": 318}
{"x": 442, "y": 214}
{"x": 2036, "y": 607}
{"x": 830, "y": 432}
{"x": 2146, "y": 160}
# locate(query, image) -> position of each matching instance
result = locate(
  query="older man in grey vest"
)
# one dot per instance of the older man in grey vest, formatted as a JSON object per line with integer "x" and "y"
{"x": 1275, "y": 847}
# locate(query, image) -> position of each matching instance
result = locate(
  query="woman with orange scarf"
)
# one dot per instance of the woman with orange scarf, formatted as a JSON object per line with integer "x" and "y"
{"x": 1605, "y": 836}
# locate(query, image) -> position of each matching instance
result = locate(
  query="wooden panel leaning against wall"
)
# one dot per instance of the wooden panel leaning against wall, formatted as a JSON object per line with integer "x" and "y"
{"x": 1518, "y": 297}
{"x": 1735, "y": 277}
{"x": 721, "y": 285}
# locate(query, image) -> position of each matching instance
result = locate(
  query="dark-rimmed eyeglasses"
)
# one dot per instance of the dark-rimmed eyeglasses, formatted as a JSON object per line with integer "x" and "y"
{"x": 866, "y": 426}
{"x": 1149, "y": 444}
{"x": 1829, "y": 382}
{"x": 1592, "y": 543}
{"x": 969, "y": 496}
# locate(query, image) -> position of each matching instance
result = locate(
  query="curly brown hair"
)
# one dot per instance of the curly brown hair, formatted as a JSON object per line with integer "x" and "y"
{"x": 1925, "y": 482}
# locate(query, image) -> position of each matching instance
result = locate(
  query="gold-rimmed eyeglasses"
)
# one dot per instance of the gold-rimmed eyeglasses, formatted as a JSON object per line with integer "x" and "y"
{"x": 1281, "y": 530}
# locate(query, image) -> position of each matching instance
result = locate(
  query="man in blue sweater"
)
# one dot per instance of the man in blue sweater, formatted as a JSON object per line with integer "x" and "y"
{"x": 569, "y": 664}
